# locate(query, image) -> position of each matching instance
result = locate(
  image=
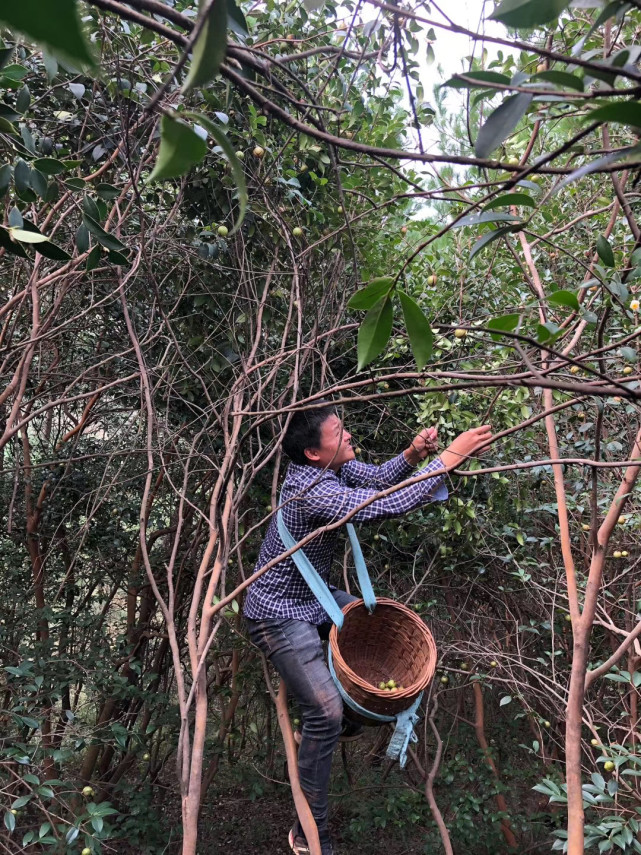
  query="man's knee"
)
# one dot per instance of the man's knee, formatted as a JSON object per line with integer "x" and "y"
{"x": 327, "y": 714}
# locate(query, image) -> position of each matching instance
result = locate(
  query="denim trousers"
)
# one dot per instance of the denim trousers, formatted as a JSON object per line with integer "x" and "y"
{"x": 294, "y": 648}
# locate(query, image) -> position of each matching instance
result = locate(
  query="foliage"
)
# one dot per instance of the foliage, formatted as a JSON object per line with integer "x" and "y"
{"x": 189, "y": 242}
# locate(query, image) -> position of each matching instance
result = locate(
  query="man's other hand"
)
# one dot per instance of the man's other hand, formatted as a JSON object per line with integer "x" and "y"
{"x": 422, "y": 445}
{"x": 466, "y": 445}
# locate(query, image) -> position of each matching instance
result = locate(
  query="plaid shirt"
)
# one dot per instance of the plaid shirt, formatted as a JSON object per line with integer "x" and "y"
{"x": 312, "y": 497}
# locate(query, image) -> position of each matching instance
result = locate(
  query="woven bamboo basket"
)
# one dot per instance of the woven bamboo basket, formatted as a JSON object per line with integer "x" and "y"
{"x": 393, "y": 643}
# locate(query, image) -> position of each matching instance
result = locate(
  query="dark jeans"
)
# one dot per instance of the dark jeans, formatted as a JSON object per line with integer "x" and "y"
{"x": 294, "y": 648}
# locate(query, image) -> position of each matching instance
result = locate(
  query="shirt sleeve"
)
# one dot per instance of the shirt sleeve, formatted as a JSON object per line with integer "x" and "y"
{"x": 329, "y": 500}
{"x": 357, "y": 474}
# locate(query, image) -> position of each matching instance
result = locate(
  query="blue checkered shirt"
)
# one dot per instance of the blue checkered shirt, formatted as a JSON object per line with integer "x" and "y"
{"x": 313, "y": 497}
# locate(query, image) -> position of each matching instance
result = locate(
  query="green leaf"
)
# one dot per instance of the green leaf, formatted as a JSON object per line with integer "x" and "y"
{"x": 604, "y": 251}
{"x": 236, "y": 21}
{"x": 506, "y": 699}
{"x": 374, "y": 332}
{"x": 71, "y": 835}
{"x": 526, "y": 14}
{"x": 39, "y": 183}
{"x": 418, "y": 329}
{"x": 477, "y": 218}
{"x": 472, "y": 79}
{"x": 20, "y": 802}
{"x": 107, "y": 191}
{"x": 600, "y": 162}
{"x": 23, "y": 99}
{"x": 180, "y": 149}
{"x": 506, "y": 323}
{"x": 564, "y": 298}
{"x": 49, "y": 166}
{"x": 82, "y": 238}
{"x": 60, "y": 31}
{"x": 489, "y": 237}
{"x": 10, "y": 246}
{"x": 27, "y": 237}
{"x": 365, "y": 298}
{"x": 510, "y": 199}
{"x": 561, "y": 78}
{"x": 9, "y": 820}
{"x": 103, "y": 237}
{"x": 501, "y": 123}
{"x": 235, "y": 163}
{"x": 22, "y": 175}
{"x": 7, "y": 128}
{"x": 625, "y": 112}
{"x": 5, "y": 178}
{"x": 93, "y": 259}
{"x": 89, "y": 207}
{"x": 211, "y": 45}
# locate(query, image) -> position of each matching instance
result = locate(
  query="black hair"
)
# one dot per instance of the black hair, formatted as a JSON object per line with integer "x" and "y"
{"x": 304, "y": 431}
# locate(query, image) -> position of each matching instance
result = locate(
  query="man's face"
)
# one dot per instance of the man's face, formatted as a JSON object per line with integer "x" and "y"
{"x": 335, "y": 446}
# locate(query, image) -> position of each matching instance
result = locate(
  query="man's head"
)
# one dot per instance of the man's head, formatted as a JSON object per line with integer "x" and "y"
{"x": 318, "y": 438}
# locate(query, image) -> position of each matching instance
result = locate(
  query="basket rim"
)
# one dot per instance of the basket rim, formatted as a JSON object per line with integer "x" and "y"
{"x": 408, "y": 692}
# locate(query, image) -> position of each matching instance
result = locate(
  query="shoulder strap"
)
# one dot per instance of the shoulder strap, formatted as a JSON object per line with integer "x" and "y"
{"x": 314, "y": 580}
{"x": 310, "y": 574}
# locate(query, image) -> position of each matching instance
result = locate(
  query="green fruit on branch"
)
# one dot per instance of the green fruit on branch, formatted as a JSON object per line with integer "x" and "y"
{"x": 87, "y": 792}
{"x": 431, "y": 279}
{"x": 445, "y": 679}
{"x": 297, "y": 232}
{"x": 608, "y": 766}
{"x": 259, "y": 151}
{"x": 223, "y": 231}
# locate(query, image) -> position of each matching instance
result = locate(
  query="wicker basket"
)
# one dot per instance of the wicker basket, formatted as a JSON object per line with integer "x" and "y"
{"x": 393, "y": 643}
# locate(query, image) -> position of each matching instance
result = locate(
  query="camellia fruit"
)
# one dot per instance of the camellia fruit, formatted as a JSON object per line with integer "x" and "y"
{"x": 568, "y": 617}
{"x": 616, "y": 553}
{"x": 627, "y": 369}
{"x": 145, "y": 756}
{"x": 493, "y": 664}
{"x": 546, "y": 724}
{"x": 223, "y": 231}
{"x": 608, "y": 765}
{"x": 86, "y": 851}
{"x": 621, "y": 520}
{"x": 574, "y": 369}
{"x": 382, "y": 685}
{"x": 624, "y": 553}
{"x": 297, "y": 232}
{"x": 259, "y": 151}
{"x": 240, "y": 155}
{"x": 460, "y": 333}
{"x": 87, "y": 792}
{"x": 445, "y": 679}
{"x": 431, "y": 279}
{"x": 339, "y": 210}
{"x": 594, "y": 742}
{"x": 585, "y": 527}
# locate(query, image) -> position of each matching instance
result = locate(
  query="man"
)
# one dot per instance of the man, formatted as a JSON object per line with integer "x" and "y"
{"x": 322, "y": 484}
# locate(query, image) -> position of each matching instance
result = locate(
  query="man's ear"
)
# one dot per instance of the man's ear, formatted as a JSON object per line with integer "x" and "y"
{"x": 312, "y": 454}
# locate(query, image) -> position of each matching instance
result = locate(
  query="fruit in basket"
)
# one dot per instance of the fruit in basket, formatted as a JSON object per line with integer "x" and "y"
{"x": 391, "y": 684}
{"x": 382, "y": 685}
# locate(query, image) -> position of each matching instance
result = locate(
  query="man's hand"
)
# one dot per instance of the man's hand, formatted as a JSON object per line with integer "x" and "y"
{"x": 421, "y": 446}
{"x": 465, "y": 445}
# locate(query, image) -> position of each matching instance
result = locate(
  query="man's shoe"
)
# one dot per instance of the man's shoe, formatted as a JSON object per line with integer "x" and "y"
{"x": 299, "y": 845}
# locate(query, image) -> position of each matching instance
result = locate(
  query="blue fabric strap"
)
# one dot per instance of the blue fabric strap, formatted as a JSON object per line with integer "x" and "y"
{"x": 364, "y": 582}
{"x": 315, "y": 581}
{"x": 405, "y": 720}
{"x": 310, "y": 575}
